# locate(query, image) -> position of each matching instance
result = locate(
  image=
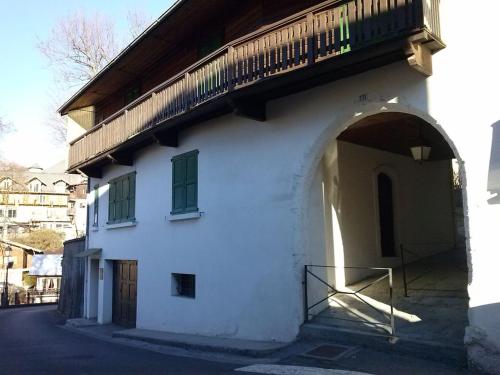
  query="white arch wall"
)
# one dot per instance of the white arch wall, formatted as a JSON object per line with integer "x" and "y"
{"x": 461, "y": 101}
{"x": 423, "y": 206}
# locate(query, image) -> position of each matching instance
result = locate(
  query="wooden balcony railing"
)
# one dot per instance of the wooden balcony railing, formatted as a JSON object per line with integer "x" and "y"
{"x": 323, "y": 32}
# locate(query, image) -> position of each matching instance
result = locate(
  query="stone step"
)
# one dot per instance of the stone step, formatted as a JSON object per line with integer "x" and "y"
{"x": 436, "y": 351}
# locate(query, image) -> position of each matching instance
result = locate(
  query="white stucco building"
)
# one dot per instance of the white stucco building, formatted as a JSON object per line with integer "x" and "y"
{"x": 206, "y": 229}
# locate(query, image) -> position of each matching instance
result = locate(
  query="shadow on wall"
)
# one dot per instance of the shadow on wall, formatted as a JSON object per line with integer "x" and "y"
{"x": 494, "y": 169}
{"x": 479, "y": 342}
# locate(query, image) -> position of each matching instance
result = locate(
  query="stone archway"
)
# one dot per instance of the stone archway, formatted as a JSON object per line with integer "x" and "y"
{"x": 350, "y": 136}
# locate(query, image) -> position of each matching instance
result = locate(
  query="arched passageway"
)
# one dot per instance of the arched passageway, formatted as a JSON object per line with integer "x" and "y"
{"x": 391, "y": 208}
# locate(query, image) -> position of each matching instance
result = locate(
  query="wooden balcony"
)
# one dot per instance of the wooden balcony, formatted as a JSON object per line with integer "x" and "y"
{"x": 327, "y": 42}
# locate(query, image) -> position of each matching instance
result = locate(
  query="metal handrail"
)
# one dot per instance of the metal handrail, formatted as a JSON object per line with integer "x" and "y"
{"x": 404, "y": 250}
{"x": 333, "y": 291}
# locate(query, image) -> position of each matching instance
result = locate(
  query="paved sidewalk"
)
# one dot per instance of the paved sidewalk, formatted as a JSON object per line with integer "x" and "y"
{"x": 302, "y": 357}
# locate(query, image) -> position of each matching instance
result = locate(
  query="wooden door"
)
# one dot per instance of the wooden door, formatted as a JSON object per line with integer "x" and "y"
{"x": 386, "y": 215}
{"x": 124, "y": 292}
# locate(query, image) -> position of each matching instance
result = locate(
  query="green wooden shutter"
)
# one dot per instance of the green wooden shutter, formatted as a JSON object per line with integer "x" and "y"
{"x": 131, "y": 200}
{"x": 192, "y": 182}
{"x": 112, "y": 204}
{"x": 185, "y": 182}
{"x": 125, "y": 197}
{"x": 119, "y": 200}
{"x": 179, "y": 184}
{"x": 122, "y": 198}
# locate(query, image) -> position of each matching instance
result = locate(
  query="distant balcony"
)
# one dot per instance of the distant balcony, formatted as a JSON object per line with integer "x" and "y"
{"x": 327, "y": 42}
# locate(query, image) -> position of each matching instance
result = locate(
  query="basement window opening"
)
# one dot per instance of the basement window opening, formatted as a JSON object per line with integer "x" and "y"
{"x": 183, "y": 285}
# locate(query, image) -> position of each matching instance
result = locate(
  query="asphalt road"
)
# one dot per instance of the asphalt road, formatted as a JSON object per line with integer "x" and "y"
{"x": 32, "y": 342}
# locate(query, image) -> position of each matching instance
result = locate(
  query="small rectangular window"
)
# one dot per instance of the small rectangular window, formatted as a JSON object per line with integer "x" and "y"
{"x": 122, "y": 199}
{"x": 12, "y": 213}
{"x": 96, "y": 206}
{"x": 185, "y": 183}
{"x": 183, "y": 284}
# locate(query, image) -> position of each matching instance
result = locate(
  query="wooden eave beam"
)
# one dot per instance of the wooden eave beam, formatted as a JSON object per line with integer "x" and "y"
{"x": 90, "y": 171}
{"x": 251, "y": 107}
{"x": 420, "y": 58}
{"x": 168, "y": 138}
{"x": 121, "y": 158}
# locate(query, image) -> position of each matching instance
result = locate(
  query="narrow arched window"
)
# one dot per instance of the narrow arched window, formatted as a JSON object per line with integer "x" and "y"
{"x": 386, "y": 215}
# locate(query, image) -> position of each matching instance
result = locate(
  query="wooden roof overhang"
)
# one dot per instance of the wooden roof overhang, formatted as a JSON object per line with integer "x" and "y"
{"x": 180, "y": 21}
{"x": 249, "y": 99}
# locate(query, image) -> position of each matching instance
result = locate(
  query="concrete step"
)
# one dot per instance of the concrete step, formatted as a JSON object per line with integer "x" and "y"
{"x": 436, "y": 351}
{"x": 242, "y": 347}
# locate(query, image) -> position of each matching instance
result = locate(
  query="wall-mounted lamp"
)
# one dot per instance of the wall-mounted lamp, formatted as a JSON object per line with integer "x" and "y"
{"x": 422, "y": 149}
{"x": 420, "y": 152}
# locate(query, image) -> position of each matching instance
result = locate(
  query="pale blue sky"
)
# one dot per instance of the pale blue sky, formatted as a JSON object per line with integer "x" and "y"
{"x": 25, "y": 79}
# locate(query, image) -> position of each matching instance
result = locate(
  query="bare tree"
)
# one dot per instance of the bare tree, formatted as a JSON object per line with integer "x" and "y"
{"x": 54, "y": 121}
{"x": 138, "y": 21}
{"x": 79, "y": 46}
{"x": 5, "y": 126}
{"x": 10, "y": 168}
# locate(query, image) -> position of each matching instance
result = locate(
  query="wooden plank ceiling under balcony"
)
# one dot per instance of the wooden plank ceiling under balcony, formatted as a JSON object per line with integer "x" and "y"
{"x": 180, "y": 27}
{"x": 317, "y": 45}
{"x": 396, "y": 132}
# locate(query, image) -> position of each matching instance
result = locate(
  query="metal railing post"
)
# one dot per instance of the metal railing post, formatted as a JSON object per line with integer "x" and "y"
{"x": 403, "y": 268}
{"x": 306, "y": 303}
{"x": 393, "y": 328}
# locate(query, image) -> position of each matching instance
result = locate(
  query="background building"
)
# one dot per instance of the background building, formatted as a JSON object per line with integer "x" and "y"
{"x": 43, "y": 199}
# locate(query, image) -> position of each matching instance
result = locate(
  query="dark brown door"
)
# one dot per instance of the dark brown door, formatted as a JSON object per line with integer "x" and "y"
{"x": 386, "y": 215}
{"x": 124, "y": 292}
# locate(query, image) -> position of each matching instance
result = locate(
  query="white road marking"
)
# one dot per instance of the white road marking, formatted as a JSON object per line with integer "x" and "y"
{"x": 295, "y": 370}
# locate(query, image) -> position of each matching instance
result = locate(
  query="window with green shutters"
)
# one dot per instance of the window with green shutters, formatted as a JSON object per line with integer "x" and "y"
{"x": 122, "y": 199}
{"x": 185, "y": 183}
